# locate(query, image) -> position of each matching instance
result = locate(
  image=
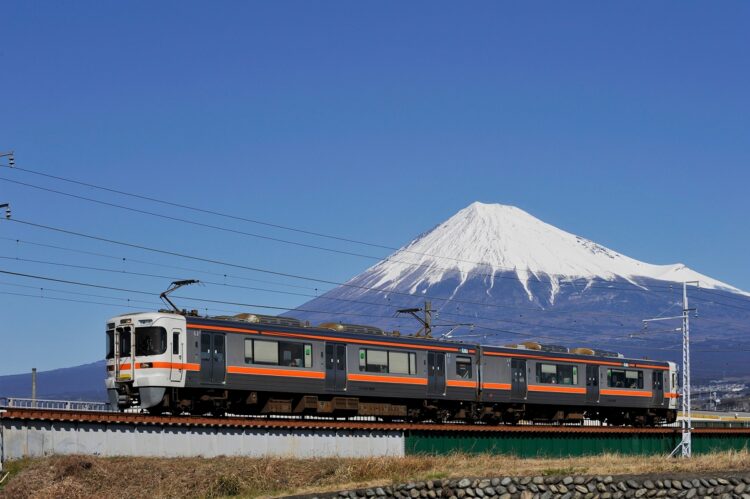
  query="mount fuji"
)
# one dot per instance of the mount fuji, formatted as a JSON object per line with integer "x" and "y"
{"x": 495, "y": 274}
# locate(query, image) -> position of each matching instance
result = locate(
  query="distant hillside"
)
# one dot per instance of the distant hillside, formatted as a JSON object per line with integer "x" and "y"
{"x": 517, "y": 278}
{"x": 85, "y": 382}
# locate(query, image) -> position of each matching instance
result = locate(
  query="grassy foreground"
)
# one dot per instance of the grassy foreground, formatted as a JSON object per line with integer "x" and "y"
{"x": 84, "y": 476}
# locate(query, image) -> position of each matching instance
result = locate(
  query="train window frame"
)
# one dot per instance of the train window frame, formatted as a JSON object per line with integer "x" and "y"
{"x": 366, "y": 365}
{"x": 248, "y": 350}
{"x": 627, "y": 375}
{"x": 146, "y": 338}
{"x": 299, "y": 354}
{"x": 462, "y": 361}
{"x": 556, "y": 374}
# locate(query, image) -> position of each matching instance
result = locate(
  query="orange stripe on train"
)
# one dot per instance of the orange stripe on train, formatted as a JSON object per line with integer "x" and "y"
{"x": 290, "y": 373}
{"x": 625, "y": 393}
{"x": 387, "y": 379}
{"x": 496, "y": 386}
{"x": 461, "y": 384}
{"x": 169, "y": 365}
{"x": 556, "y": 389}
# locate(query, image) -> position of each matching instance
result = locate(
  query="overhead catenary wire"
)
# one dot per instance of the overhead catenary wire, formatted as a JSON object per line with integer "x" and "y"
{"x": 242, "y": 304}
{"x": 156, "y": 264}
{"x": 246, "y": 267}
{"x": 252, "y": 288}
{"x": 309, "y": 246}
{"x": 452, "y": 314}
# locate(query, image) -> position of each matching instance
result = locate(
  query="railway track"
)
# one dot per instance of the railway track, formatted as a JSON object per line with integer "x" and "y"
{"x": 95, "y": 417}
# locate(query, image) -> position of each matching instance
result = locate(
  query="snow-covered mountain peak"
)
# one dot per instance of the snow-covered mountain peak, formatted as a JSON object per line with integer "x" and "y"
{"x": 486, "y": 239}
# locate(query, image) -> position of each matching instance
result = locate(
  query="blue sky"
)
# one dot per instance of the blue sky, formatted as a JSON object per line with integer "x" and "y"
{"x": 627, "y": 124}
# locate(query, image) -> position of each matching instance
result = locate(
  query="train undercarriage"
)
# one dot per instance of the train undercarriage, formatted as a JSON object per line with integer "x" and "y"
{"x": 221, "y": 402}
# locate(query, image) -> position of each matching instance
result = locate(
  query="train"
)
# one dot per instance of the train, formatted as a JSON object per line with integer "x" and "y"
{"x": 253, "y": 364}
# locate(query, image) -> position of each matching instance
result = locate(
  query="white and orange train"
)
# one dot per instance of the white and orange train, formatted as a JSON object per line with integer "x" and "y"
{"x": 256, "y": 364}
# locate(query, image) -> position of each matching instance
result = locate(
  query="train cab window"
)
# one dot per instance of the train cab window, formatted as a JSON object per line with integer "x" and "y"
{"x": 556, "y": 374}
{"x": 150, "y": 340}
{"x": 175, "y": 343}
{"x": 463, "y": 367}
{"x": 386, "y": 361}
{"x": 624, "y": 378}
{"x": 110, "y": 344}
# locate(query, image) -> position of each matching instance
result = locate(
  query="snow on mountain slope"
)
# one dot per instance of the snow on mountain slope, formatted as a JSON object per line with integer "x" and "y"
{"x": 487, "y": 239}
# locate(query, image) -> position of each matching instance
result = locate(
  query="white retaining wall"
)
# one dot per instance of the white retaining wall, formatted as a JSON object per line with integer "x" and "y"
{"x": 19, "y": 439}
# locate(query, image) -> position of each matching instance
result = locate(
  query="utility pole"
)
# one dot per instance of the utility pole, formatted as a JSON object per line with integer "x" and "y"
{"x": 426, "y": 322}
{"x": 685, "y": 445}
{"x": 33, "y": 387}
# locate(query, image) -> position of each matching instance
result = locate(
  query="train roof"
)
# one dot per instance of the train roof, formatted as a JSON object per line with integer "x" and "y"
{"x": 375, "y": 336}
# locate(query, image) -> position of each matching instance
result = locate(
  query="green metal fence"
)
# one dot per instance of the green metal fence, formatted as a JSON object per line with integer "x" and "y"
{"x": 551, "y": 444}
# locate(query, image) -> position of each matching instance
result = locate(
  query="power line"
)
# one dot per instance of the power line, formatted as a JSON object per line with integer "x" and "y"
{"x": 113, "y": 288}
{"x": 285, "y": 241}
{"x": 145, "y": 262}
{"x": 251, "y": 288}
{"x": 257, "y": 269}
{"x": 360, "y": 302}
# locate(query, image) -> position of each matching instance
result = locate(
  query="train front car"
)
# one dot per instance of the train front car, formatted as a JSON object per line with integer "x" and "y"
{"x": 145, "y": 358}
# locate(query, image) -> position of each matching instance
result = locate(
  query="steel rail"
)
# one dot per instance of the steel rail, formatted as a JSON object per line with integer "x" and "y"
{"x": 94, "y": 417}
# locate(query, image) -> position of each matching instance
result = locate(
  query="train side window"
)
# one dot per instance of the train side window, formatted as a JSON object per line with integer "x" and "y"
{"x": 556, "y": 374}
{"x": 657, "y": 381}
{"x": 205, "y": 346}
{"x": 398, "y": 362}
{"x": 248, "y": 351}
{"x": 295, "y": 354}
{"x": 624, "y": 378}
{"x": 387, "y": 361}
{"x": 175, "y": 343}
{"x": 376, "y": 361}
{"x": 266, "y": 352}
{"x": 463, "y": 367}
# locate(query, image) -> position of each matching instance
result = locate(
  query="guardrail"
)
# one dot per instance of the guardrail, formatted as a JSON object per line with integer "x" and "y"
{"x": 60, "y": 405}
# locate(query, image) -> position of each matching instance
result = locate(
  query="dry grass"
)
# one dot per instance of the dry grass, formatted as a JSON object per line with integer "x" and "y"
{"x": 82, "y": 476}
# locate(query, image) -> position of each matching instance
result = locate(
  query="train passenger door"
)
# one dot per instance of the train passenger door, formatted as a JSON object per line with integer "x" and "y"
{"x": 435, "y": 373}
{"x": 592, "y": 384}
{"x": 518, "y": 378}
{"x": 213, "y": 357}
{"x": 335, "y": 366}
{"x": 658, "y": 390}
{"x": 177, "y": 364}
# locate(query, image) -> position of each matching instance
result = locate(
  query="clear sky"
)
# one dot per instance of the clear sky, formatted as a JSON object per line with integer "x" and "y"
{"x": 625, "y": 123}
